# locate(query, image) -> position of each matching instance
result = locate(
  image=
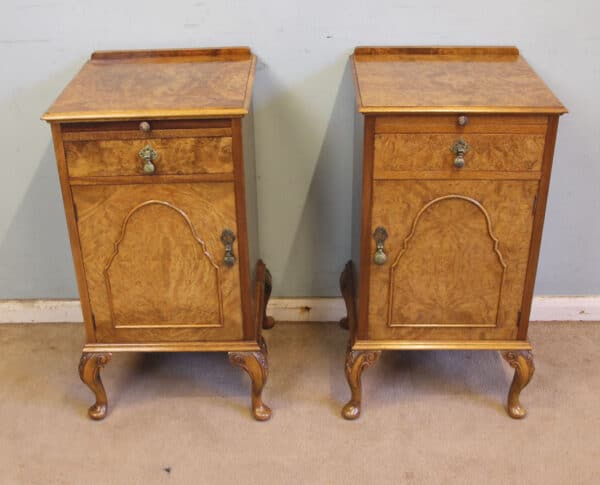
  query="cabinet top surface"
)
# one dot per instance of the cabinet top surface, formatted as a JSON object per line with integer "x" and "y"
{"x": 176, "y": 83}
{"x": 448, "y": 79}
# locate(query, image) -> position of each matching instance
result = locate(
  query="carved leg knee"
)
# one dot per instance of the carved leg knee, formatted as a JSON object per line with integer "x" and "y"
{"x": 356, "y": 362}
{"x": 522, "y": 362}
{"x": 89, "y": 371}
{"x": 256, "y": 365}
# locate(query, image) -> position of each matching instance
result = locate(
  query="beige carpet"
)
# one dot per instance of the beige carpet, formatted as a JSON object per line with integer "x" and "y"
{"x": 428, "y": 417}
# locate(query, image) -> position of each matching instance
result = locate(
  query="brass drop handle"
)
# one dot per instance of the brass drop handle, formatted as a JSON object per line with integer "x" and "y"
{"x": 459, "y": 148}
{"x": 227, "y": 238}
{"x": 380, "y": 235}
{"x": 148, "y": 155}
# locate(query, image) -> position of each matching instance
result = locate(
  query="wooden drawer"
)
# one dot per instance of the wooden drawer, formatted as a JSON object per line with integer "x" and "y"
{"x": 462, "y": 124}
{"x": 418, "y": 152}
{"x": 114, "y": 150}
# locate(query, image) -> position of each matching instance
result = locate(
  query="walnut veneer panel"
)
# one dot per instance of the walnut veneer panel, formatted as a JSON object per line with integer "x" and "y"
{"x": 457, "y": 258}
{"x": 153, "y": 261}
{"x": 158, "y": 84}
{"x": 466, "y": 79}
{"x": 176, "y": 156}
{"x": 498, "y": 152}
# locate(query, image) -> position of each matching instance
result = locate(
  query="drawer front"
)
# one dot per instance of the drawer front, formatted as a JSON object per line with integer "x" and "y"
{"x": 462, "y": 124}
{"x": 182, "y": 155}
{"x": 456, "y": 255}
{"x": 154, "y": 261}
{"x": 411, "y": 152}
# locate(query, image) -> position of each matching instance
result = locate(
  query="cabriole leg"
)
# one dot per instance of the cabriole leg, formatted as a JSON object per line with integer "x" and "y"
{"x": 89, "y": 371}
{"x": 256, "y": 365}
{"x": 356, "y": 362}
{"x": 522, "y": 362}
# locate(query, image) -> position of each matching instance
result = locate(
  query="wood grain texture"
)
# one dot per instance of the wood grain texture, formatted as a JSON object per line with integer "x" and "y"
{"x": 449, "y": 271}
{"x": 104, "y": 133}
{"x": 436, "y": 50}
{"x": 152, "y": 179}
{"x": 248, "y": 166}
{"x": 248, "y": 322}
{"x": 362, "y": 295}
{"x": 184, "y": 346}
{"x": 205, "y": 54}
{"x": 357, "y": 361}
{"x": 177, "y": 270}
{"x": 475, "y": 123}
{"x": 443, "y": 229}
{"x": 455, "y": 344}
{"x": 171, "y": 84}
{"x": 357, "y": 207}
{"x": 166, "y": 284}
{"x": 524, "y": 367}
{"x": 256, "y": 365}
{"x": 94, "y": 130}
{"x": 457, "y": 80}
{"x": 176, "y": 156}
{"x": 432, "y": 152}
{"x": 70, "y": 216}
{"x": 90, "y": 365}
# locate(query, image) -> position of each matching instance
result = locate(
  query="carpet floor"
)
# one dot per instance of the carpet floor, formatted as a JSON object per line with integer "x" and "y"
{"x": 428, "y": 417}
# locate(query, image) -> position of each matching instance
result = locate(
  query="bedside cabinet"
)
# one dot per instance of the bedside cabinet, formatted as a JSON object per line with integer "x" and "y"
{"x": 156, "y": 161}
{"x": 453, "y": 156}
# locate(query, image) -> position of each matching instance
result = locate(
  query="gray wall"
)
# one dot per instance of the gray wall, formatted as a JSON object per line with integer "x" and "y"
{"x": 304, "y": 104}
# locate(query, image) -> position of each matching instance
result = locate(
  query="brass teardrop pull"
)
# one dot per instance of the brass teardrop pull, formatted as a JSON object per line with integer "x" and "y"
{"x": 459, "y": 148}
{"x": 227, "y": 238}
{"x": 380, "y": 235}
{"x": 148, "y": 155}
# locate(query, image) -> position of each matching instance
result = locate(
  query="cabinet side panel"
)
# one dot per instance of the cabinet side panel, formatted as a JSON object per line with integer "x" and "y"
{"x": 245, "y": 264}
{"x": 251, "y": 193}
{"x": 70, "y": 214}
{"x": 357, "y": 174}
{"x": 366, "y": 190}
{"x": 251, "y": 208}
{"x": 538, "y": 226}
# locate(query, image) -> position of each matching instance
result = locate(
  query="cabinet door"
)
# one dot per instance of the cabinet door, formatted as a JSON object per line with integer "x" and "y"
{"x": 153, "y": 260}
{"x": 457, "y": 254}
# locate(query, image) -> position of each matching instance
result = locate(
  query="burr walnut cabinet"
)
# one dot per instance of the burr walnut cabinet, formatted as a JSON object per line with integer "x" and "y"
{"x": 156, "y": 162}
{"x": 453, "y": 156}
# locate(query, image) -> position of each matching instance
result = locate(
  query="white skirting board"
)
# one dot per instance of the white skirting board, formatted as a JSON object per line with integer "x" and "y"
{"x": 545, "y": 309}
